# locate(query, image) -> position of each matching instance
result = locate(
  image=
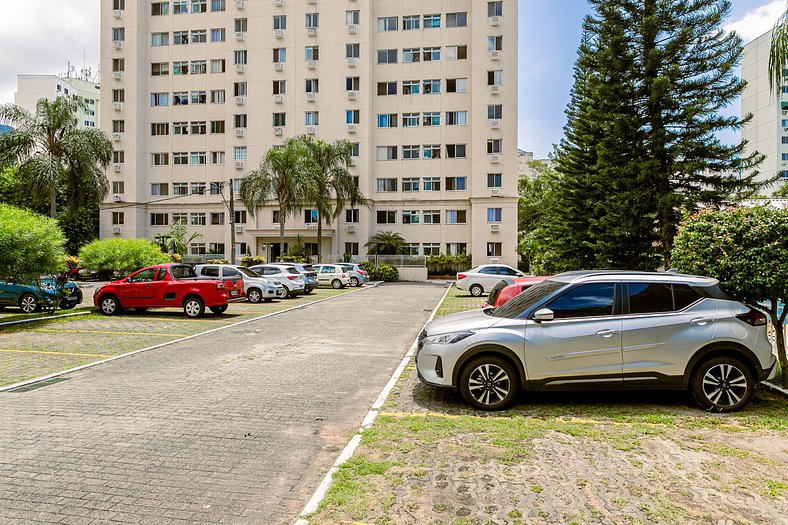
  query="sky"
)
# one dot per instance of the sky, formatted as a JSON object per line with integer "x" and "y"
{"x": 43, "y": 36}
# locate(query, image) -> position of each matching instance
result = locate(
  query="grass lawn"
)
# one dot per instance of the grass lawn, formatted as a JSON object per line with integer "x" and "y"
{"x": 563, "y": 458}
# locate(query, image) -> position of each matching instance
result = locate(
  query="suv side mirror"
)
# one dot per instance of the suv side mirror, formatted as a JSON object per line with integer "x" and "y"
{"x": 544, "y": 314}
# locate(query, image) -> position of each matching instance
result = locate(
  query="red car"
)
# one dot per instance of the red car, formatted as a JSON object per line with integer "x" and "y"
{"x": 512, "y": 290}
{"x": 168, "y": 285}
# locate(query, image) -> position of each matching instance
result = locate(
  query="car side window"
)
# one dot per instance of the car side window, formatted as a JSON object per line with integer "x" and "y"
{"x": 649, "y": 298}
{"x": 271, "y": 271}
{"x": 210, "y": 271}
{"x": 326, "y": 269}
{"x": 162, "y": 274}
{"x": 683, "y": 296}
{"x": 587, "y": 300}
{"x": 145, "y": 275}
{"x": 230, "y": 272}
{"x": 490, "y": 270}
{"x": 509, "y": 271}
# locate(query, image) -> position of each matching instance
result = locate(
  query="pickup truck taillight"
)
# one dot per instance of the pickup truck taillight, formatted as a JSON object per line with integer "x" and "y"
{"x": 220, "y": 286}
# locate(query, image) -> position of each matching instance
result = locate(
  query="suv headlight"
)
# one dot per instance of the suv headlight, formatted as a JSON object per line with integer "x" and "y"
{"x": 447, "y": 339}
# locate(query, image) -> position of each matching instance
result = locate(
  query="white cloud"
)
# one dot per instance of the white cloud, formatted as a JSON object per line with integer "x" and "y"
{"x": 758, "y": 21}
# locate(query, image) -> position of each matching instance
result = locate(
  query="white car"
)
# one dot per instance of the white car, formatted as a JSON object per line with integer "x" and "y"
{"x": 290, "y": 278}
{"x": 332, "y": 275}
{"x": 256, "y": 287}
{"x": 481, "y": 279}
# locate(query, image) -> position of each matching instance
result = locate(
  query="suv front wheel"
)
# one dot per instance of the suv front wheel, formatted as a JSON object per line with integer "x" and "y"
{"x": 489, "y": 383}
{"x": 722, "y": 384}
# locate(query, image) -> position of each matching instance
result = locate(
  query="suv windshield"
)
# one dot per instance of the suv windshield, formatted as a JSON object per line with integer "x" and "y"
{"x": 514, "y": 308}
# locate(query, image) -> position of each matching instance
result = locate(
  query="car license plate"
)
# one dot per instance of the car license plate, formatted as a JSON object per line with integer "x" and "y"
{"x": 234, "y": 292}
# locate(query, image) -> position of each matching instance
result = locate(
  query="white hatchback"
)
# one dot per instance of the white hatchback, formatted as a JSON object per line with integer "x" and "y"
{"x": 481, "y": 279}
{"x": 331, "y": 275}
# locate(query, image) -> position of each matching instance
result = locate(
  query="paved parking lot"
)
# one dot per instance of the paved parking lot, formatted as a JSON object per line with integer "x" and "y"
{"x": 238, "y": 426}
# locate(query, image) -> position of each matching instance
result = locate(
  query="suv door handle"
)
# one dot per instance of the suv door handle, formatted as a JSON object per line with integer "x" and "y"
{"x": 701, "y": 320}
{"x": 607, "y": 333}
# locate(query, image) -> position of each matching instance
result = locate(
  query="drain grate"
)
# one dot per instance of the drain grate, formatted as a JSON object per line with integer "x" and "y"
{"x": 37, "y": 385}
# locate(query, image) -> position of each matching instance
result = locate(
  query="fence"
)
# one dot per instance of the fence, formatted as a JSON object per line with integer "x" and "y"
{"x": 402, "y": 261}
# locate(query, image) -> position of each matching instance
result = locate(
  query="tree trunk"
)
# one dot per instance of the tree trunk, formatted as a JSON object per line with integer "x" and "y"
{"x": 281, "y": 232}
{"x": 319, "y": 237}
{"x": 779, "y": 339}
{"x": 53, "y": 202}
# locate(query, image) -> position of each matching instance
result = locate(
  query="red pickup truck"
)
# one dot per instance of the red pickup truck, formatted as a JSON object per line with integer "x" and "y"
{"x": 168, "y": 285}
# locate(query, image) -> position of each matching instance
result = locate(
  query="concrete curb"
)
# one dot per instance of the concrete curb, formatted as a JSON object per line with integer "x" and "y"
{"x": 369, "y": 419}
{"x": 22, "y": 321}
{"x": 775, "y": 388}
{"x": 161, "y": 345}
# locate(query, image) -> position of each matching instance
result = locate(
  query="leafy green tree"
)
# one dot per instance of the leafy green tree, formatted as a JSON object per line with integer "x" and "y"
{"x": 118, "y": 255}
{"x": 334, "y": 186}
{"x": 778, "y": 53}
{"x": 746, "y": 249}
{"x": 54, "y": 154}
{"x": 284, "y": 176}
{"x": 175, "y": 241}
{"x": 386, "y": 243}
{"x": 31, "y": 245}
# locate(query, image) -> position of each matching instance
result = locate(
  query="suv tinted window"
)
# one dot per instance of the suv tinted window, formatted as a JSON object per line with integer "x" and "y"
{"x": 587, "y": 300}
{"x": 684, "y": 296}
{"x": 646, "y": 298}
{"x": 514, "y": 308}
{"x": 210, "y": 271}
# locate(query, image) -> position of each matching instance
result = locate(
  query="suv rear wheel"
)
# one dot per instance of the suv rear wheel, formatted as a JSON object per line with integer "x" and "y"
{"x": 476, "y": 290}
{"x": 722, "y": 384}
{"x": 28, "y": 303}
{"x": 489, "y": 383}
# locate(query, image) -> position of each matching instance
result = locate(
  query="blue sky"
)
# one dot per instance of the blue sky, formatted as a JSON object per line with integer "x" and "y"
{"x": 549, "y": 35}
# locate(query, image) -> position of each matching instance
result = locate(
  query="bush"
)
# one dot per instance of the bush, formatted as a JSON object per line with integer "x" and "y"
{"x": 121, "y": 256}
{"x": 295, "y": 258}
{"x": 448, "y": 264}
{"x": 31, "y": 245}
{"x": 176, "y": 257}
{"x": 368, "y": 267}
{"x": 387, "y": 273}
{"x": 251, "y": 260}
{"x": 217, "y": 261}
{"x": 72, "y": 262}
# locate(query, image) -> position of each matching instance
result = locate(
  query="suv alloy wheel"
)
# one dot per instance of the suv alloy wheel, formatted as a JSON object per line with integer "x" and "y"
{"x": 28, "y": 303}
{"x": 489, "y": 383}
{"x": 722, "y": 384}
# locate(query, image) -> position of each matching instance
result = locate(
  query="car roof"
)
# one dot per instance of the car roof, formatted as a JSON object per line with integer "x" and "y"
{"x": 629, "y": 275}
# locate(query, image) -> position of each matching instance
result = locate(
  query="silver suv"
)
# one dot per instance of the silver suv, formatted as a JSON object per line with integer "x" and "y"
{"x": 603, "y": 329}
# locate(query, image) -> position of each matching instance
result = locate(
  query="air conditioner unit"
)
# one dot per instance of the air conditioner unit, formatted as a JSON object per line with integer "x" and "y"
{"x": 311, "y": 97}
{"x": 279, "y": 66}
{"x": 117, "y": 13}
{"x": 117, "y": 168}
{"x": 311, "y": 226}
{"x": 117, "y": 229}
{"x": 117, "y": 198}
{"x": 239, "y": 132}
{"x": 117, "y": 44}
{"x": 495, "y": 227}
{"x": 240, "y": 100}
{"x": 240, "y": 36}
{"x": 352, "y": 128}
{"x": 311, "y": 130}
{"x": 351, "y": 62}
{"x": 278, "y": 131}
{"x": 279, "y": 33}
{"x": 352, "y": 29}
{"x": 351, "y": 228}
{"x": 240, "y": 4}
{"x": 495, "y": 192}
{"x": 495, "y": 20}
{"x": 494, "y": 90}
{"x": 240, "y": 68}
{"x": 239, "y": 228}
{"x": 495, "y": 159}
{"x": 279, "y": 3}
{"x": 311, "y": 64}
{"x": 352, "y": 95}
{"x": 239, "y": 164}
{"x": 495, "y": 124}
{"x": 495, "y": 261}
{"x": 495, "y": 55}
{"x": 785, "y": 112}
{"x": 279, "y": 99}
{"x": 311, "y": 31}
{"x": 117, "y": 75}
{"x": 117, "y": 106}
{"x": 117, "y": 137}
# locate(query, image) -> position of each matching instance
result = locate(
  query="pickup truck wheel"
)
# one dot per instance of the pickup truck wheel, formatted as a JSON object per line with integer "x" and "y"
{"x": 254, "y": 295}
{"x": 193, "y": 307}
{"x": 336, "y": 284}
{"x": 29, "y": 303}
{"x": 220, "y": 309}
{"x": 109, "y": 305}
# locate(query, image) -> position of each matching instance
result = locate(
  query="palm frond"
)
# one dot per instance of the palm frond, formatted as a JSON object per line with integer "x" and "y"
{"x": 778, "y": 54}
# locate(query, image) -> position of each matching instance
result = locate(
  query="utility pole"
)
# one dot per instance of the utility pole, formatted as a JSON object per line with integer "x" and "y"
{"x": 232, "y": 223}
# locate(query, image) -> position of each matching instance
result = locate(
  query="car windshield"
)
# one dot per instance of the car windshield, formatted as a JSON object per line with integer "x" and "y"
{"x": 247, "y": 272}
{"x": 182, "y": 272}
{"x": 514, "y": 308}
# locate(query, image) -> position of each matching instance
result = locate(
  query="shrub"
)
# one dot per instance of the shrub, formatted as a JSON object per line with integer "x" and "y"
{"x": 387, "y": 273}
{"x": 121, "y": 256}
{"x": 295, "y": 258}
{"x": 176, "y": 257}
{"x": 31, "y": 245}
{"x": 217, "y": 261}
{"x": 72, "y": 262}
{"x": 368, "y": 267}
{"x": 251, "y": 260}
{"x": 448, "y": 264}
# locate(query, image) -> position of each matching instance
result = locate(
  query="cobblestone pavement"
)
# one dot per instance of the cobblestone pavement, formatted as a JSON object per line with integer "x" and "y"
{"x": 238, "y": 426}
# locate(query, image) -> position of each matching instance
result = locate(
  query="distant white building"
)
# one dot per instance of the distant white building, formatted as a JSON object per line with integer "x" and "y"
{"x": 31, "y": 88}
{"x": 524, "y": 159}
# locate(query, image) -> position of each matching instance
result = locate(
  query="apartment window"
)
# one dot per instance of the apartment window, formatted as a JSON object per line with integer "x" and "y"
{"x": 218, "y": 35}
{"x": 455, "y": 151}
{"x": 410, "y": 153}
{"x": 275, "y": 217}
{"x": 280, "y": 22}
{"x": 457, "y": 19}
{"x": 352, "y": 116}
{"x": 199, "y": 36}
{"x": 312, "y": 20}
{"x": 180, "y": 98}
{"x": 494, "y": 249}
{"x": 279, "y": 119}
{"x": 180, "y": 68}
{"x": 411, "y": 22}
{"x": 180, "y": 158}
{"x": 217, "y": 159}
{"x": 215, "y": 188}
{"x": 180, "y": 38}
{"x": 456, "y": 216}
{"x": 494, "y": 214}
{"x": 431, "y": 248}
{"x": 197, "y": 219}
{"x": 387, "y": 88}
{"x": 432, "y": 183}
{"x": 495, "y": 78}
{"x": 199, "y": 6}
{"x": 456, "y": 248}
{"x": 310, "y": 216}
{"x": 432, "y": 21}
{"x": 180, "y": 7}
{"x": 785, "y": 140}
{"x": 159, "y": 219}
{"x": 197, "y": 248}
{"x": 411, "y": 55}
{"x": 181, "y": 218}
{"x": 410, "y": 217}
{"x": 159, "y": 39}
{"x": 311, "y": 85}
{"x": 431, "y": 118}
{"x": 240, "y": 57}
{"x": 279, "y": 87}
{"x": 456, "y": 118}
{"x": 118, "y": 218}
{"x": 198, "y": 67}
{"x": 198, "y": 97}
{"x": 431, "y": 54}
{"x": 456, "y": 52}
{"x": 218, "y": 5}
{"x": 387, "y": 56}
{"x": 159, "y": 188}
{"x": 240, "y": 216}
{"x": 388, "y": 23}
{"x": 160, "y": 69}
{"x": 118, "y": 34}
{"x": 494, "y": 180}
{"x": 217, "y": 127}
{"x": 494, "y": 111}
{"x": 118, "y": 126}
{"x": 385, "y": 185}
{"x": 494, "y": 8}
{"x": 239, "y": 153}
{"x": 494, "y": 43}
{"x": 386, "y": 217}
{"x": 785, "y": 156}
{"x": 199, "y": 158}
{"x": 494, "y": 145}
{"x": 217, "y": 96}
{"x": 216, "y": 247}
{"x": 159, "y": 8}
{"x": 355, "y": 148}
{"x": 217, "y": 65}
{"x": 456, "y": 183}
{"x": 386, "y": 153}
{"x": 198, "y": 188}
{"x": 240, "y": 121}
{"x": 410, "y": 120}
{"x": 159, "y": 159}
{"x": 352, "y": 17}
{"x": 432, "y": 217}
{"x": 456, "y": 85}
{"x": 118, "y": 157}
{"x": 432, "y": 86}
{"x": 118, "y": 64}
{"x": 239, "y": 89}
{"x": 180, "y": 188}
{"x": 241, "y": 25}
{"x": 432, "y": 151}
{"x": 351, "y": 248}
{"x": 311, "y": 118}
{"x": 352, "y": 83}
{"x": 411, "y": 87}
{"x": 352, "y": 50}
{"x": 280, "y": 55}
{"x": 159, "y": 99}
{"x": 387, "y": 120}
{"x": 312, "y": 53}
{"x": 118, "y": 95}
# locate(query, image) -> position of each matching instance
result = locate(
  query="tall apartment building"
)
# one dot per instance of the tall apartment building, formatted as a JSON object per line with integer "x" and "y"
{"x": 426, "y": 90}
{"x": 767, "y": 132}
{"x": 31, "y": 88}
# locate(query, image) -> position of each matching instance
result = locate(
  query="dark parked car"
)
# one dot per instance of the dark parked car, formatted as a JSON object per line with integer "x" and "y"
{"x": 31, "y": 298}
{"x": 310, "y": 276}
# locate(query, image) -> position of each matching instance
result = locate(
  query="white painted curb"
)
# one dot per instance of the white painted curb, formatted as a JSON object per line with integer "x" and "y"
{"x": 369, "y": 419}
{"x": 22, "y": 321}
{"x": 161, "y": 345}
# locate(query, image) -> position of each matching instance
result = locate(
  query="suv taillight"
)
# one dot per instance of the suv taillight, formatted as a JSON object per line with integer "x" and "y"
{"x": 753, "y": 317}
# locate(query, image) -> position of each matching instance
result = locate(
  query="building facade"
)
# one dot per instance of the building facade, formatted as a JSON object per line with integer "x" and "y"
{"x": 31, "y": 88}
{"x": 426, "y": 90}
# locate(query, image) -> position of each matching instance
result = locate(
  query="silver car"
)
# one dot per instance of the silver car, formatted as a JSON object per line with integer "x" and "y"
{"x": 605, "y": 330}
{"x": 482, "y": 279}
{"x": 291, "y": 279}
{"x": 256, "y": 287}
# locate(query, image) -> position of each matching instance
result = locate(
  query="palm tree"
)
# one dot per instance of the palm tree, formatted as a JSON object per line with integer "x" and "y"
{"x": 175, "y": 241}
{"x": 334, "y": 186}
{"x": 54, "y": 154}
{"x": 386, "y": 243}
{"x": 283, "y": 175}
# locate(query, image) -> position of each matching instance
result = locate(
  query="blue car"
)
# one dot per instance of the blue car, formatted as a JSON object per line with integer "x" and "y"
{"x": 30, "y": 299}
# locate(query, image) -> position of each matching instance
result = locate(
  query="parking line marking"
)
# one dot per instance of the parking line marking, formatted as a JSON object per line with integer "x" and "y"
{"x": 8, "y": 351}
{"x": 110, "y": 332}
{"x": 22, "y": 321}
